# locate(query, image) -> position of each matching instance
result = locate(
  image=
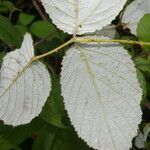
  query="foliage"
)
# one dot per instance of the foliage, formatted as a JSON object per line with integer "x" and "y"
{"x": 52, "y": 129}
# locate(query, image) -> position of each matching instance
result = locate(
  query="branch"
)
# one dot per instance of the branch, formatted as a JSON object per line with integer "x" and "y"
{"x": 44, "y": 39}
{"x": 35, "y": 4}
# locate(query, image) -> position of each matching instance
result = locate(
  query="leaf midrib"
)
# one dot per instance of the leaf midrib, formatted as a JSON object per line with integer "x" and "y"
{"x": 89, "y": 70}
{"x": 19, "y": 74}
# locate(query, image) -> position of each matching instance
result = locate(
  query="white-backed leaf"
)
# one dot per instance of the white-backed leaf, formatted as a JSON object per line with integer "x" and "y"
{"x": 23, "y": 90}
{"x": 134, "y": 12}
{"x": 139, "y": 141}
{"x": 107, "y": 31}
{"x": 141, "y": 138}
{"x": 102, "y": 94}
{"x": 82, "y": 16}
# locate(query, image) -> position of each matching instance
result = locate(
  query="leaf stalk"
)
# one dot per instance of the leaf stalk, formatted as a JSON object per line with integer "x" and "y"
{"x": 54, "y": 50}
{"x": 90, "y": 40}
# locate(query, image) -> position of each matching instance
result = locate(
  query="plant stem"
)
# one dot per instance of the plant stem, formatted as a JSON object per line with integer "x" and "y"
{"x": 53, "y": 51}
{"x": 90, "y": 40}
{"x": 37, "y": 7}
{"x": 44, "y": 39}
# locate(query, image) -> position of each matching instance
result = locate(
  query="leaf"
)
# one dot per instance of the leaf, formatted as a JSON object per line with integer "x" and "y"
{"x": 102, "y": 94}
{"x": 22, "y": 29}
{"x": 45, "y": 139}
{"x": 2, "y": 54}
{"x": 24, "y": 87}
{"x": 7, "y": 6}
{"x": 26, "y": 19}
{"x": 4, "y": 145}
{"x": 43, "y": 29}
{"x": 8, "y": 33}
{"x": 68, "y": 140}
{"x": 82, "y": 16}
{"x": 134, "y": 12}
{"x": 107, "y": 31}
{"x": 146, "y": 131}
{"x": 143, "y": 64}
{"x": 129, "y": 46}
{"x": 49, "y": 44}
{"x": 54, "y": 108}
{"x": 142, "y": 82}
{"x": 139, "y": 141}
{"x": 143, "y": 30}
{"x": 16, "y": 135}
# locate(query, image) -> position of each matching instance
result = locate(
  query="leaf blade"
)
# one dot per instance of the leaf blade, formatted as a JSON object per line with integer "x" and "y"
{"x": 8, "y": 33}
{"x": 143, "y": 32}
{"x": 79, "y": 17}
{"x": 22, "y": 97}
{"x": 134, "y": 12}
{"x": 97, "y": 81}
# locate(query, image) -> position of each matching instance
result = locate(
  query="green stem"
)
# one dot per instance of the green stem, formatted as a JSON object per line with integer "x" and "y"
{"x": 90, "y": 40}
{"x": 53, "y": 51}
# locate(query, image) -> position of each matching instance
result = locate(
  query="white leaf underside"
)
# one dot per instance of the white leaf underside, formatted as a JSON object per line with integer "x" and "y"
{"x": 23, "y": 90}
{"x": 82, "y": 16}
{"x": 134, "y": 12}
{"x": 107, "y": 31}
{"x": 102, "y": 95}
{"x": 139, "y": 141}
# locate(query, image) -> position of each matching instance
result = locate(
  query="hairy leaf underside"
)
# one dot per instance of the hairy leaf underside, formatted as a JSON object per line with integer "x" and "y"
{"x": 24, "y": 88}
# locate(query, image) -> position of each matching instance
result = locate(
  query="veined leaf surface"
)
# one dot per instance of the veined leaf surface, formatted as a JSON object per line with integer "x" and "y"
{"x": 134, "y": 12}
{"x": 107, "y": 31}
{"x": 24, "y": 88}
{"x": 82, "y": 16}
{"x": 102, "y": 94}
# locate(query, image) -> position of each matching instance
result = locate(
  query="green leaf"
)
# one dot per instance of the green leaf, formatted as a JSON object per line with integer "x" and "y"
{"x": 142, "y": 81}
{"x": 54, "y": 108}
{"x": 128, "y": 46}
{"x": 146, "y": 131}
{"x": 43, "y": 29}
{"x": 3, "y": 9}
{"x": 26, "y": 19}
{"x": 8, "y": 33}
{"x": 2, "y": 54}
{"x": 143, "y": 30}
{"x": 22, "y": 29}
{"x": 16, "y": 135}
{"x": 68, "y": 140}
{"x": 6, "y": 6}
{"x": 45, "y": 138}
{"x": 5, "y": 145}
{"x": 48, "y": 45}
{"x": 143, "y": 64}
